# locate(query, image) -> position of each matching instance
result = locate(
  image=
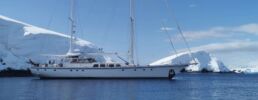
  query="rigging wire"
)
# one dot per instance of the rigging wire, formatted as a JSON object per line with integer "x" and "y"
{"x": 137, "y": 50}
{"x": 170, "y": 40}
{"x": 109, "y": 24}
{"x": 88, "y": 13}
{"x": 52, "y": 15}
{"x": 181, "y": 32}
{"x": 49, "y": 24}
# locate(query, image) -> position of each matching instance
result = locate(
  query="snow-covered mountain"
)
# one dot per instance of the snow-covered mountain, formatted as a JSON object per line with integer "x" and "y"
{"x": 204, "y": 59}
{"x": 20, "y": 41}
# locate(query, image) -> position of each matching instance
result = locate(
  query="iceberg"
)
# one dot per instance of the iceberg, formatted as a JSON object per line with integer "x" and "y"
{"x": 246, "y": 70}
{"x": 205, "y": 61}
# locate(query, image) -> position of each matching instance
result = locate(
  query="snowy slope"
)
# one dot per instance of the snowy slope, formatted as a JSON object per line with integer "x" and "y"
{"x": 20, "y": 41}
{"x": 204, "y": 60}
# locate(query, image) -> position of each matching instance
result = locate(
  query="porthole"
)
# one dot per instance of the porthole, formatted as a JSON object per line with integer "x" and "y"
{"x": 151, "y": 69}
{"x": 54, "y": 69}
{"x": 134, "y": 69}
{"x": 71, "y": 70}
{"x": 143, "y": 69}
{"x": 122, "y": 69}
{"x": 82, "y": 69}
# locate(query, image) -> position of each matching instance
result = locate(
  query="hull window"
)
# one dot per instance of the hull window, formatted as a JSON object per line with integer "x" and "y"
{"x": 102, "y": 65}
{"x": 111, "y": 65}
{"x": 96, "y": 65}
{"x": 118, "y": 65}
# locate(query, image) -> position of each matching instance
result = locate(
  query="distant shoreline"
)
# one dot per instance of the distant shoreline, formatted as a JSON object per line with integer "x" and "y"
{"x": 9, "y": 72}
{"x": 204, "y": 70}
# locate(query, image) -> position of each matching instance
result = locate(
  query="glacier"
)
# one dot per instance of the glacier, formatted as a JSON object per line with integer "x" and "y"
{"x": 204, "y": 59}
{"x": 20, "y": 42}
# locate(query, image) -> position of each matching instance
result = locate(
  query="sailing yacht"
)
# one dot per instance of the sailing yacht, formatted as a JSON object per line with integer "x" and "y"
{"x": 79, "y": 65}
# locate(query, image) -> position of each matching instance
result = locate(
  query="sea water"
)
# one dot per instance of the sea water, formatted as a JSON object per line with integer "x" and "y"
{"x": 207, "y": 86}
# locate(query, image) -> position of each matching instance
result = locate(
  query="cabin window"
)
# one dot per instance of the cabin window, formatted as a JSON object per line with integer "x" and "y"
{"x": 91, "y": 60}
{"x": 54, "y": 69}
{"x": 73, "y": 57}
{"x": 102, "y": 65}
{"x": 118, "y": 65}
{"x": 143, "y": 69}
{"x": 82, "y": 69}
{"x": 111, "y": 65}
{"x": 74, "y": 61}
{"x": 122, "y": 69}
{"x": 71, "y": 70}
{"x": 96, "y": 65}
{"x": 134, "y": 69}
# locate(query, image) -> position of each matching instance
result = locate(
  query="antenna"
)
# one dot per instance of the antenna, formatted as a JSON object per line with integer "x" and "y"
{"x": 132, "y": 33}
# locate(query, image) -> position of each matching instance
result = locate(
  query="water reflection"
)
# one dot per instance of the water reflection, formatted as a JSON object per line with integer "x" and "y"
{"x": 95, "y": 89}
{"x": 184, "y": 87}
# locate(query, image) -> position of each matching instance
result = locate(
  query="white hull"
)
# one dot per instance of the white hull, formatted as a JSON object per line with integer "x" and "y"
{"x": 121, "y": 72}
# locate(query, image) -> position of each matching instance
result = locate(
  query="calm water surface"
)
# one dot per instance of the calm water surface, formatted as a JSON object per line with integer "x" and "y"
{"x": 184, "y": 87}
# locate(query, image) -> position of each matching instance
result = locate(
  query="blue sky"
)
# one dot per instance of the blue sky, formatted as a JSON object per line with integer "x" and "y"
{"x": 228, "y": 29}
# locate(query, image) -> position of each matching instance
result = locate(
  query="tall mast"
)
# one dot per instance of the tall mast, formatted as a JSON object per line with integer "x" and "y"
{"x": 132, "y": 33}
{"x": 72, "y": 26}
